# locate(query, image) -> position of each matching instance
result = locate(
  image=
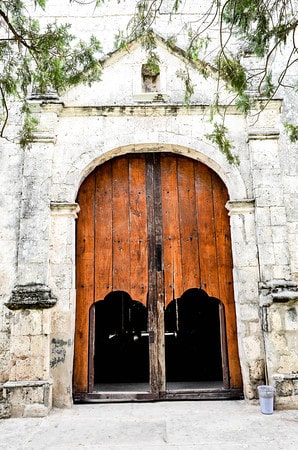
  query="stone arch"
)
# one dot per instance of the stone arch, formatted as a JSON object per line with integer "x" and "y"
{"x": 241, "y": 211}
{"x": 199, "y": 150}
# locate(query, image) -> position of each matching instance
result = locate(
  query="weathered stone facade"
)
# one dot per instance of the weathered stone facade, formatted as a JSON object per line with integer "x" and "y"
{"x": 86, "y": 127}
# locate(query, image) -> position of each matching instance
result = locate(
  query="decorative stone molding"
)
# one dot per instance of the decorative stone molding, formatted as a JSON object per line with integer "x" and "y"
{"x": 65, "y": 209}
{"x": 150, "y": 109}
{"x": 50, "y": 95}
{"x": 240, "y": 206}
{"x": 26, "y": 384}
{"x": 278, "y": 291}
{"x": 31, "y": 296}
{"x": 151, "y": 97}
{"x": 285, "y": 376}
{"x": 46, "y": 110}
{"x": 263, "y": 134}
{"x": 43, "y": 137}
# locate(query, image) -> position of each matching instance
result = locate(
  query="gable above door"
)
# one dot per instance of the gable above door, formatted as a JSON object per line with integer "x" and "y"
{"x": 126, "y": 80}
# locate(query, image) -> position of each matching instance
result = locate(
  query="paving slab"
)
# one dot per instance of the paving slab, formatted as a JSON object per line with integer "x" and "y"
{"x": 211, "y": 425}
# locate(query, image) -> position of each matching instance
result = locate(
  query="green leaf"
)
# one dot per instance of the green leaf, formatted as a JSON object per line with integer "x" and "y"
{"x": 231, "y": 70}
{"x": 41, "y": 3}
{"x": 292, "y": 131}
{"x": 243, "y": 103}
{"x": 189, "y": 86}
{"x": 268, "y": 88}
{"x": 26, "y": 134}
{"x": 219, "y": 137}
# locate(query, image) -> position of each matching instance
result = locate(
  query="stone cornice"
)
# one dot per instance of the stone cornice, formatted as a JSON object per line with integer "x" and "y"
{"x": 140, "y": 110}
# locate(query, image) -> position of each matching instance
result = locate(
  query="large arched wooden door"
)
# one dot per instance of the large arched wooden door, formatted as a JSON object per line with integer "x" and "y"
{"x": 153, "y": 270}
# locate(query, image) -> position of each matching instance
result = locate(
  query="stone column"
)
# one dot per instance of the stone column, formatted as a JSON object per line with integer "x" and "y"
{"x": 62, "y": 270}
{"x": 246, "y": 280}
{"x": 29, "y": 388}
{"x": 277, "y": 292}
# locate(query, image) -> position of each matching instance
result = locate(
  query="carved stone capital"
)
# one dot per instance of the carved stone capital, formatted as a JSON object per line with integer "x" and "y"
{"x": 31, "y": 296}
{"x": 240, "y": 206}
{"x": 65, "y": 209}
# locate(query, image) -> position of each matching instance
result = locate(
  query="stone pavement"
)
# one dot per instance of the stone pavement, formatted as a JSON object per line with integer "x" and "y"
{"x": 211, "y": 425}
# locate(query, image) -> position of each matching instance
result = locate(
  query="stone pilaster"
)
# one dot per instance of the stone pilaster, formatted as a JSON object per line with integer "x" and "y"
{"x": 62, "y": 269}
{"x": 246, "y": 279}
{"x": 29, "y": 388}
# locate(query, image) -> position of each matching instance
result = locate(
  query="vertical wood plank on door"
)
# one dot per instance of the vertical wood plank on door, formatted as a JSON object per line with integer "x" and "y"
{"x": 171, "y": 231}
{"x": 160, "y": 333}
{"x": 138, "y": 229}
{"x": 121, "y": 251}
{"x": 206, "y": 231}
{"x": 225, "y": 274}
{"x": 84, "y": 282}
{"x": 152, "y": 279}
{"x": 188, "y": 224}
{"x": 103, "y": 231}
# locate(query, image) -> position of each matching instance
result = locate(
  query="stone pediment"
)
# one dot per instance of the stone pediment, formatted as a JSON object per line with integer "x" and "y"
{"x": 125, "y": 82}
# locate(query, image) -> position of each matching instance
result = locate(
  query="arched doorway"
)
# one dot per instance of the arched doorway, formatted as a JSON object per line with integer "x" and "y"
{"x": 154, "y": 283}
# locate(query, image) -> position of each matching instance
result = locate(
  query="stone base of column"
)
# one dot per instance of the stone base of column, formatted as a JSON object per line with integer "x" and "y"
{"x": 28, "y": 398}
{"x": 286, "y": 390}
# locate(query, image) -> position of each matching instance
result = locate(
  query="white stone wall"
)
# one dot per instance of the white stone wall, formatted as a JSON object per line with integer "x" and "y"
{"x": 89, "y": 125}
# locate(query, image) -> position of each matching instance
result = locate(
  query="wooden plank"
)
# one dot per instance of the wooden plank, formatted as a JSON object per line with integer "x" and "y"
{"x": 224, "y": 347}
{"x": 152, "y": 281}
{"x": 138, "y": 229}
{"x": 205, "y": 394}
{"x": 206, "y": 231}
{"x": 171, "y": 231}
{"x": 121, "y": 250}
{"x": 91, "y": 348}
{"x": 103, "y": 231}
{"x": 161, "y": 333}
{"x": 188, "y": 224}
{"x": 225, "y": 274}
{"x": 117, "y": 397}
{"x": 159, "y": 300}
{"x": 84, "y": 282}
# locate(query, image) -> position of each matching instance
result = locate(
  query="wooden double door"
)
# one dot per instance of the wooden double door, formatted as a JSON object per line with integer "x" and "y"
{"x": 155, "y": 313}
